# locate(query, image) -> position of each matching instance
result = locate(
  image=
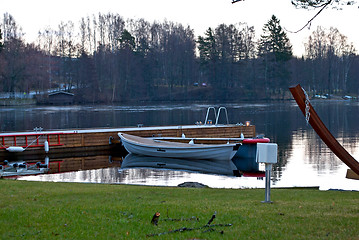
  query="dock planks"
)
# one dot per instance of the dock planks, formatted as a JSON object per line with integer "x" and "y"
{"x": 81, "y": 142}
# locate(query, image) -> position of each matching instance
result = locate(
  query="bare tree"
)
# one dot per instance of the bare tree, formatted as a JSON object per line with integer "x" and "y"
{"x": 46, "y": 43}
{"x": 83, "y": 35}
{"x": 331, "y": 56}
{"x": 10, "y": 28}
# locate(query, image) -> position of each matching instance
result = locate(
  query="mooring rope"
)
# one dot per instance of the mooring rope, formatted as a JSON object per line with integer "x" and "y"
{"x": 33, "y": 142}
{"x": 3, "y": 145}
{"x": 36, "y": 129}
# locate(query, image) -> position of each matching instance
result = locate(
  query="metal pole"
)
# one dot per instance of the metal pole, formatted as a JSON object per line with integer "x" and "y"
{"x": 268, "y": 177}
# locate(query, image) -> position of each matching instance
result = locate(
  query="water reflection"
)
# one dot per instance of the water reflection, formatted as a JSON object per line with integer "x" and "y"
{"x": 147, "y": 171}
{"x": 303, "y": 159}
{"x": 166, "y": 177}
{"x": 309, "y": 164}
{"x": 201, "y": 166}
{"x": 171, "y": 172}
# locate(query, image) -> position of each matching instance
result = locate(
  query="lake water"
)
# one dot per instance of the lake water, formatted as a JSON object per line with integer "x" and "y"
{"x": 303, "y": 159}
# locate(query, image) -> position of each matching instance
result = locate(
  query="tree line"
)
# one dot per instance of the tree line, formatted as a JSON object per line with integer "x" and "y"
{"x": 110, "y": 59}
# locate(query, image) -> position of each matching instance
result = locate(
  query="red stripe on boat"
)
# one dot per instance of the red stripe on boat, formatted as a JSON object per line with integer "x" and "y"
{"x": 254, "y": 174}
{"x": 255, "y": 140}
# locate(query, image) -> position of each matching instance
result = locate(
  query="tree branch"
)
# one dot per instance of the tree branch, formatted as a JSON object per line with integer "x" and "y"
{"x": 310, "y": 3}
{"x": 310, "y": 21}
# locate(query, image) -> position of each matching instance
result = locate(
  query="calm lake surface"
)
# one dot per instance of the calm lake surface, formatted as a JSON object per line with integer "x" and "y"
{"x": 304, "y": 160}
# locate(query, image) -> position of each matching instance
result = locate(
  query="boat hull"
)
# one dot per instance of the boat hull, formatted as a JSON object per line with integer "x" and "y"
{"x": 157, "y": 148}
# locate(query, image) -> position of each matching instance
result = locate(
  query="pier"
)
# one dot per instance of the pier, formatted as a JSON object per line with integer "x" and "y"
{"x": 86, "y": 142}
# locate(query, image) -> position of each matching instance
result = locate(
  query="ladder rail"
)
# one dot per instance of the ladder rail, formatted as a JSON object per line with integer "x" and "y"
{"x": 216, "y": 114}
{"x": 219, "y": 111}
{"x": 208, "y": 111}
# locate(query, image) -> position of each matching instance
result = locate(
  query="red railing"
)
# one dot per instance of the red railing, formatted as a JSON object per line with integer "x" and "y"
{"x": 13, "y": 139}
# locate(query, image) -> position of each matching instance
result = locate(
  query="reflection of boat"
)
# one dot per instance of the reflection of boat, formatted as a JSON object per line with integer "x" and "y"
{"x": 245, "y": 157}
{"x": 22, "y": 168}
{"x": 159, "y": 148}
{"x": 203, "y": 166}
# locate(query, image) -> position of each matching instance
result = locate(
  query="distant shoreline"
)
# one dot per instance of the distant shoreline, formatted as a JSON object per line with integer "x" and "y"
{"x": 17, "y": 101}
{"x": 33, "y": 101}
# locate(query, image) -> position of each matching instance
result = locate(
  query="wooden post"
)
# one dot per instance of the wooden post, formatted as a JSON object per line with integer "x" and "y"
{"x": 322, "y": 130}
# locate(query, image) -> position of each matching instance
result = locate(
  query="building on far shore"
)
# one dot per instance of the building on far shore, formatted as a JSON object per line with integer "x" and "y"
{"x": 61, "y": 98}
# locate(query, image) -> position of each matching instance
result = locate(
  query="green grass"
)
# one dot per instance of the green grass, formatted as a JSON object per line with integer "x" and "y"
{"x": 38, "y": 210}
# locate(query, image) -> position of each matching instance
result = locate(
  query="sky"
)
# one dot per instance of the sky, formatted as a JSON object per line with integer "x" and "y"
{"x": 35, "y": 15}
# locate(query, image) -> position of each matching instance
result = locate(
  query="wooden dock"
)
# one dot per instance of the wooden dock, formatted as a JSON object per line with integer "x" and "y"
{"x": 87, "y": 142}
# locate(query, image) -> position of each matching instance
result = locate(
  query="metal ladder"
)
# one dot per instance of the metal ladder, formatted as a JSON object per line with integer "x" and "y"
{"x": 216, "y": 115}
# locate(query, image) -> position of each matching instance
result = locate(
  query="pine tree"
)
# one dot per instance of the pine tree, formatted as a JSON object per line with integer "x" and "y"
{"x": 275, "y": 41}
{"x": 207, "y": 47}
{"x": 275, "y": 50}
{"x": 209, "y": 56}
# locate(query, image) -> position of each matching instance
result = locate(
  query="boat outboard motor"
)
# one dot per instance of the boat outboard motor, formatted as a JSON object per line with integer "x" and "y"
{"x": 40, "y": 165}
{"x": 22, "y": 165}
{"x": 6, "y": 162}
{"x": 15, "y": 165}
{"x": 1, "y": 167}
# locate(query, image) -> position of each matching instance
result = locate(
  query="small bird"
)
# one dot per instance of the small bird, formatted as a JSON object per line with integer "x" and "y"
{"x": 155, "y": 218}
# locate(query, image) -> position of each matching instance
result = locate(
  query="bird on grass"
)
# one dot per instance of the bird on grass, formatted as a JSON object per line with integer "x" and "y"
{"x": 155, "y": 218}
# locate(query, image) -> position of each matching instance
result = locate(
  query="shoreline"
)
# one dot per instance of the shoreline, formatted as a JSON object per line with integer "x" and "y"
{"x": 100, "y": 211}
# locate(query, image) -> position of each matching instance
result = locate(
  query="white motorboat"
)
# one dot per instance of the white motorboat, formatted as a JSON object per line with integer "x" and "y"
{"x": 160, "y": 148}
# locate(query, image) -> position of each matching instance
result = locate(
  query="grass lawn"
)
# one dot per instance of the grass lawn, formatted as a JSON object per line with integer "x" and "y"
{"x": 40, "y": 210}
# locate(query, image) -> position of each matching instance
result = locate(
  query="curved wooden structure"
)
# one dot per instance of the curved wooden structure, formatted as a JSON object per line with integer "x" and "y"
{"x": 322, "y": 130}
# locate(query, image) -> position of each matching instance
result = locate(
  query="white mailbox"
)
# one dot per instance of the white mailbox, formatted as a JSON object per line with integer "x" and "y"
{"x": 267, "y": 153}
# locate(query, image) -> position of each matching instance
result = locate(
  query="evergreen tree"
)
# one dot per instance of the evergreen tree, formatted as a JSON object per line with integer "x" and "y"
{"x": 209, "y": 56}
{"x": 127, "y": 40}
{"x": 275, "y": 41}
{"x": 275, "y": 50}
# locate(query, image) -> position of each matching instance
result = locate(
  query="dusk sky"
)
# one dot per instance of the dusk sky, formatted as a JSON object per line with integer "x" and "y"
{"x": 35, "y": 15}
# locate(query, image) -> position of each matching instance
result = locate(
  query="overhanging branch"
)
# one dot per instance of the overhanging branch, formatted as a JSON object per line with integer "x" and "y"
{"x": 310, "y": 21}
